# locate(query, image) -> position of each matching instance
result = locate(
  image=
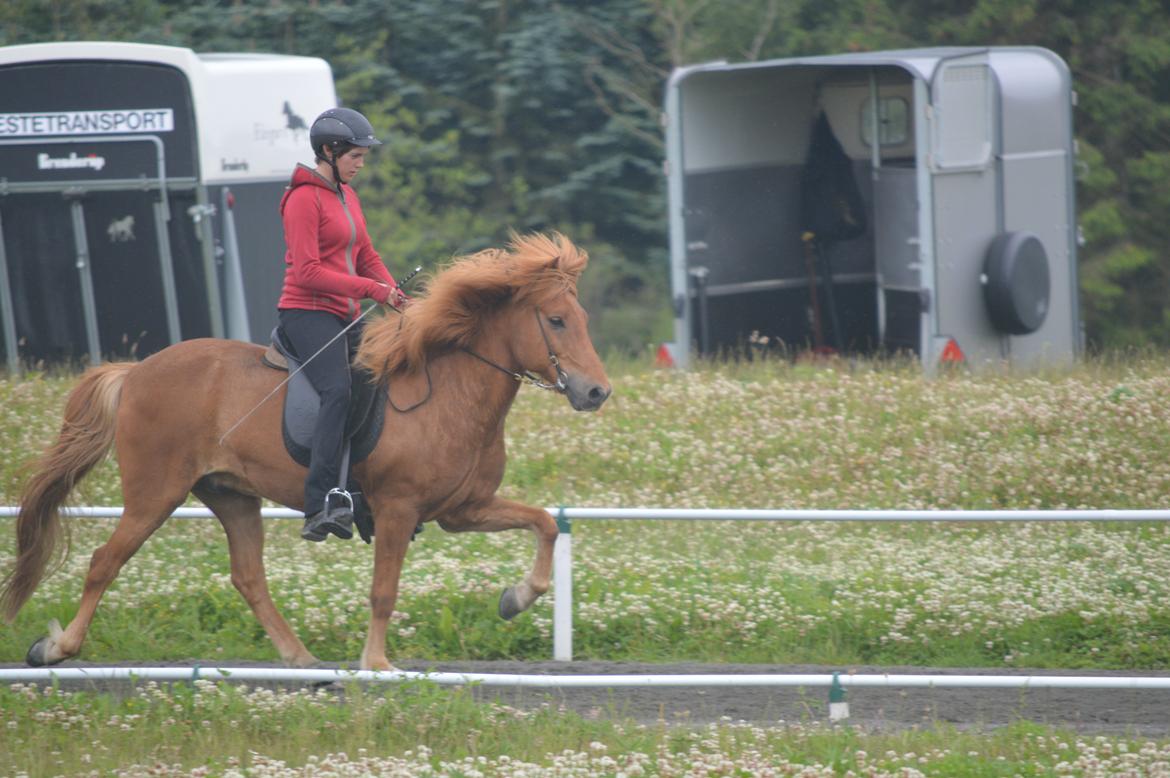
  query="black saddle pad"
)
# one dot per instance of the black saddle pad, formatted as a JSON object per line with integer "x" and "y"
{"x": 367, "y": 410}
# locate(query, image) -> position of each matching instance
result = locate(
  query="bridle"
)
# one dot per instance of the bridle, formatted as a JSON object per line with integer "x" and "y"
{"x": 524, "y": 377}
{"x": 527, "y": 376}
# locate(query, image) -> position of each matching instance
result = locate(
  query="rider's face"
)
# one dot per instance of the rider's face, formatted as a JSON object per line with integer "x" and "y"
{"x": 349, "y": 163}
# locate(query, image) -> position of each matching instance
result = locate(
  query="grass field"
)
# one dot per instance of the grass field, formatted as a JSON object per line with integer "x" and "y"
{"x": 771, "y": 435}
{"x": 204, "y": 729}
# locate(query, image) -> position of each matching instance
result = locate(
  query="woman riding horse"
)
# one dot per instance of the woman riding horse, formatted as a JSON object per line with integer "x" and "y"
{"x": 329, "y": 264}
{"x": 458, "y": 355}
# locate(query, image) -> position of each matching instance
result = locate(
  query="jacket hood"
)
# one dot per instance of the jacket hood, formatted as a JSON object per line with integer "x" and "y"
{"x": 303, "y": 175}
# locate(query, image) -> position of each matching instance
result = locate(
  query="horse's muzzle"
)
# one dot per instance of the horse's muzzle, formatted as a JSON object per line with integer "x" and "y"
{"x": 585, "y": 394}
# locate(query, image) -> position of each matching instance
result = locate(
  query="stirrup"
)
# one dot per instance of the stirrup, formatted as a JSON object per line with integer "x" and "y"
{"x": 336, "y": 520}
{"x": 343, "y": 494}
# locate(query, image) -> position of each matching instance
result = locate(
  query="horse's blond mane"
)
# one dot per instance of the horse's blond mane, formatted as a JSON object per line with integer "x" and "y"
{"x": 532, "y": 269}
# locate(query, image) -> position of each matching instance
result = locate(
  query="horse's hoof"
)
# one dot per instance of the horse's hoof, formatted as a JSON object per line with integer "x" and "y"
{"x": 38, "y": 652}
{"x": 509, "y": 605}
{"x": 305, "y": 662}
{"x": 36, "y": 656}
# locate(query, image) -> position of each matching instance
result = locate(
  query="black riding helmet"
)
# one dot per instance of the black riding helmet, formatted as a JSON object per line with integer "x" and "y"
{"x": 340, "y": 129}
{"x": 339, "y": 126}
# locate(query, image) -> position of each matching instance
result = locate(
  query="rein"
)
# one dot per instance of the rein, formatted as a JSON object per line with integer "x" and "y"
{"x": 524, "y": 377}
{"x": 527, "y": 376}
{"x": 293, "y": 373}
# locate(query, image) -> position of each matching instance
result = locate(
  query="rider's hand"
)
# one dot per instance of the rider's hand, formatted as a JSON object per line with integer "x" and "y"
{"x": 397, "y": 297}
{"x": 392, "y": 295}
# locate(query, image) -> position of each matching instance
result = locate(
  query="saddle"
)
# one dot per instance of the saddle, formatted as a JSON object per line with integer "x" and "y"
{"x": 363, "y": 427}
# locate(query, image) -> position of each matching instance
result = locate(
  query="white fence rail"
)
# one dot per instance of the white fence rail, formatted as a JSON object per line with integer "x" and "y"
{"x": 727, "y": 514}
{"x": 320, "y": 675}
{"x": 563, "y": 554}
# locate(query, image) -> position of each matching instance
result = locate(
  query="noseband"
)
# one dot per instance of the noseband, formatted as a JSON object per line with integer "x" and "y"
{"x": 527, "y": 376}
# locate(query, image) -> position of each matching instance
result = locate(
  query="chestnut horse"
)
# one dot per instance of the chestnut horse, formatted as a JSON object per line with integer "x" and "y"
{"x": 460, "y": 349}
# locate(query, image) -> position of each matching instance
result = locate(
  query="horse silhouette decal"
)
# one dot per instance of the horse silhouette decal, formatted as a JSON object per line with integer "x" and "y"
{"x": 293, "y": 121}
{"x": 121, "y": 230}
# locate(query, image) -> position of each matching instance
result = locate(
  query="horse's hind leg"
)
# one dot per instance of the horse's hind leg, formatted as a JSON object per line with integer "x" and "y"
{"x": 138, "y": 522}
{"x": 500, "y": 514}
{"x": 240, "y": 516}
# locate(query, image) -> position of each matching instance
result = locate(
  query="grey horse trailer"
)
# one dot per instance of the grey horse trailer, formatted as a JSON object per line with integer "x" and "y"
{"x": 139, "y": 194}
{"x": 917, "y": 202}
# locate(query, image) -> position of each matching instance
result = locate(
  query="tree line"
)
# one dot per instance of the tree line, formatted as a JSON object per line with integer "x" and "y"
{"x": 506, "y": 115}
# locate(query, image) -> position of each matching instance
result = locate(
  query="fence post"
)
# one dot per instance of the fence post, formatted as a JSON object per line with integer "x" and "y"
{"x": 838, "y": 707}
{"x": 563, "y": 590}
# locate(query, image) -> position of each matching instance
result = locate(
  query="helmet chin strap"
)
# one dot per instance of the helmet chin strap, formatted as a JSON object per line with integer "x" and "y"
{"x": 336, "y": 174}
{"x": 332, "y": 160}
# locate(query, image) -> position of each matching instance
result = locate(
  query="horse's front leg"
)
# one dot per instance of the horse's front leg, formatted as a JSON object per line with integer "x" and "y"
{"x": 391, "y": 539}
{"x": 499, "y": 514}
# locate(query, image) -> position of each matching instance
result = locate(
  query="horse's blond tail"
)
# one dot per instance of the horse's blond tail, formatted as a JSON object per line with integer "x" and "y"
{"x": 86, "y": 435}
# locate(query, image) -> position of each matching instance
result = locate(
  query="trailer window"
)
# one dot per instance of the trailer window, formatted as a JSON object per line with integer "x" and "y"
{"x": 893, "y": 121}
{"x": 963, "y": 115}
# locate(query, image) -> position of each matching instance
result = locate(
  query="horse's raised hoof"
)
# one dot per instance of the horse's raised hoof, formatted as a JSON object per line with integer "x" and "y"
{"x": 509, "y": 605}
{"x": 36, "y": 656}
{"x": 38, "y": 652}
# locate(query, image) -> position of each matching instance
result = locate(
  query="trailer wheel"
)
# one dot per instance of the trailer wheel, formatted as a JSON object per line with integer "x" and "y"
{"x": 1016, "y": 283}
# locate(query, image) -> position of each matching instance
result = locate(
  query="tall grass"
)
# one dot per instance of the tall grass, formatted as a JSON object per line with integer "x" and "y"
{"x": 766, "y": 434}
{"x": 760, "y": 434}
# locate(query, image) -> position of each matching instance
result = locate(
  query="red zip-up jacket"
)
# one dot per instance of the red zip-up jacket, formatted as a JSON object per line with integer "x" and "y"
{"x": 329, "y": 263}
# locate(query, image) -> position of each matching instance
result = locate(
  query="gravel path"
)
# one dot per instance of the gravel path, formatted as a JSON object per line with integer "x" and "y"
{"x": 1137, "y": 712}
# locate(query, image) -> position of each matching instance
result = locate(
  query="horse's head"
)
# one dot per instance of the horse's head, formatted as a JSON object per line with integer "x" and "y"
{"x": 526, "y": 298}
{"x": 551, "y": 340}
{"x": 548, "y": 327}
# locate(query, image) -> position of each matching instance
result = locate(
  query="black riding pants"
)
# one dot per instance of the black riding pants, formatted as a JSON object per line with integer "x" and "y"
{"x": 328, "y": 372}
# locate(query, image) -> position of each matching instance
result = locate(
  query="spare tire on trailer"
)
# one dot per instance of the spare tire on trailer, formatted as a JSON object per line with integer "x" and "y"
{"x": 1016, "y": 283}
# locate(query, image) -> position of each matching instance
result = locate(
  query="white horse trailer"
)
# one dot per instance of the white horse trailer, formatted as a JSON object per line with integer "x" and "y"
{"x": 139, "y": 193}
{"x": 913, "y": 201}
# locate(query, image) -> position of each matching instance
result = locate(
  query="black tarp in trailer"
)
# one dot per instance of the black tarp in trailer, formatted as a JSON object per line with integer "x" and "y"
{"x": 124, "y": 268}
{"x": 187, "y": 261}
{"x": 42, "y": 273}
{"x": 127, "y": 281}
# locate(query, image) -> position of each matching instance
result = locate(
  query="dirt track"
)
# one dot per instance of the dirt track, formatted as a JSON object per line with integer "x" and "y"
{"x": 1137, "y": 712}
